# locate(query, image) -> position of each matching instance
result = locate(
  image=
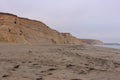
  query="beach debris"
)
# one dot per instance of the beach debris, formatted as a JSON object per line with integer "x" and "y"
{"x": 51, "y": 69}
{"x": 76, "y": 79}
{"x": 5, "y": 75}
{"x": 39, "y": 78}
{"x": 16, "y": 66}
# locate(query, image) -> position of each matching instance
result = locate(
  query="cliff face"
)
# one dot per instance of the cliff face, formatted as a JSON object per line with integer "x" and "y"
{"x": 14, "y": 29}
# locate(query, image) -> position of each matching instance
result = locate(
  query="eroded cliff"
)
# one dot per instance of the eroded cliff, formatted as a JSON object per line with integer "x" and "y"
{"x": 14, "y": 29}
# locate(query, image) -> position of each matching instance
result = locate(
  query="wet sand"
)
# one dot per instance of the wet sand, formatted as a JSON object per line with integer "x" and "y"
{"x": 58, "y": 62}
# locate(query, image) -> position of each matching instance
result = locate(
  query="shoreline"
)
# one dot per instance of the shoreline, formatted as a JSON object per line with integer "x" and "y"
{"x": 109, "y": 46}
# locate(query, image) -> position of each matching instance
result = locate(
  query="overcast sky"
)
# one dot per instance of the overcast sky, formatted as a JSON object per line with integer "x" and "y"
{"x": 95, "y": 19}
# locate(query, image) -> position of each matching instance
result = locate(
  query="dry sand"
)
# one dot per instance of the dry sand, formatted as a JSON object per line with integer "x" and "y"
{"x": 58, "y": 62}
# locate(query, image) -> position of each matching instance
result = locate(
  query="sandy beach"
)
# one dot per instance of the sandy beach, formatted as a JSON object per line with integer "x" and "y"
{"x": 58, "y": 62}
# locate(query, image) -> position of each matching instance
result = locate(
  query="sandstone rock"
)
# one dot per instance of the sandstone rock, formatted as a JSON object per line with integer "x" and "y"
{"x": 14, "y": 29}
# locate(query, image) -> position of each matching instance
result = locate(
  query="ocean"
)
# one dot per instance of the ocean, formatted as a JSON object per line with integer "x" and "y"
{"x": 110, "y": 46}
